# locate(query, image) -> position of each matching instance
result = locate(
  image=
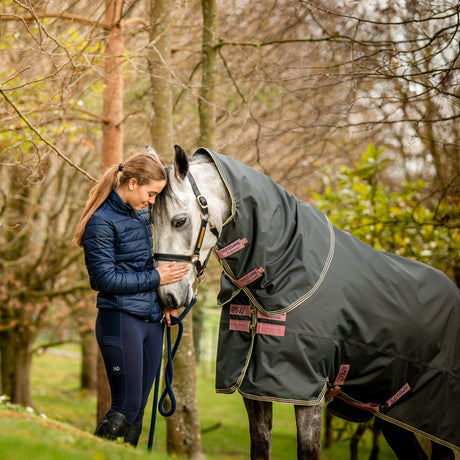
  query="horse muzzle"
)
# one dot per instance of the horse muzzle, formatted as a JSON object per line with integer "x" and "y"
{"x": 176, "y": 295}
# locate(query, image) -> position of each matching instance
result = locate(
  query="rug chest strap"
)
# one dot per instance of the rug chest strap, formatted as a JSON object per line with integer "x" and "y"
{"x": 336, "y": 392}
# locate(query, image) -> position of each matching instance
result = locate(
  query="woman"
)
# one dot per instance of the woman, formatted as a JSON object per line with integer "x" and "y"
{"x": 116, "y": 235}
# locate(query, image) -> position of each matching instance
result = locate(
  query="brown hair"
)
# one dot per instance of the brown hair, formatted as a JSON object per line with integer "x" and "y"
{"x": 143, "y": 167}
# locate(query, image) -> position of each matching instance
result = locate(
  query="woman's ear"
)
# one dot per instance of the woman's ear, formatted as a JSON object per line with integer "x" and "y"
{"x": 132, "y": 183}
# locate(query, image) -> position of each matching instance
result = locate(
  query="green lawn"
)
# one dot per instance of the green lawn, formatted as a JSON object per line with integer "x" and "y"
{"x": 55, "y": 383}
{"x": 25, "y": 436}
{"x": 65, "y": 433}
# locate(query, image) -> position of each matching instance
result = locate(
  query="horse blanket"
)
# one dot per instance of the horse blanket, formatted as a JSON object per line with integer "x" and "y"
{"x": 310, "y": 310}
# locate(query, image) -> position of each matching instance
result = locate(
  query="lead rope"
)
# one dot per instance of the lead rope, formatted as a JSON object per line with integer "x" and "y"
{"x": 168, "y": 391}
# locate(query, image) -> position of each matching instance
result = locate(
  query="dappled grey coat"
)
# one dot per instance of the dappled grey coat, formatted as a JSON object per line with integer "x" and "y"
{"x": 307, "y": 306}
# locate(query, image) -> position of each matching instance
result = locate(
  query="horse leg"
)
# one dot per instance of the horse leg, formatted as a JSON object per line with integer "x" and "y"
{"x": 308, "y": 421}
{"x": 375, "y": 443}
{"x": 260, "y": 415}
{"x": 439, "y": 452}
{"x": 403, "y": 442}
{"x": 357, "y": 435}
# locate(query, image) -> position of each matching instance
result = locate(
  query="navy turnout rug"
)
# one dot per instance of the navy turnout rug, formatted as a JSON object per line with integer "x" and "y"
{"x": 310, "y": 310}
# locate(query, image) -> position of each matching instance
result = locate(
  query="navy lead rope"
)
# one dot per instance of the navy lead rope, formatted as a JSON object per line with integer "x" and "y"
{"x": 168, "y": 391}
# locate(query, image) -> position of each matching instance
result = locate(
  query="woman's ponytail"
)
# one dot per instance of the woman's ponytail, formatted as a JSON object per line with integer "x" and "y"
{"x": 144, "y": 167}
{"x": 97, "y": 195}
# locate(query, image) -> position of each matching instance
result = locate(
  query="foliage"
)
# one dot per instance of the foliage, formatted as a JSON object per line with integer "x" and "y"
{"x": 409, "y": 220}
{"x": 47, "y": 85}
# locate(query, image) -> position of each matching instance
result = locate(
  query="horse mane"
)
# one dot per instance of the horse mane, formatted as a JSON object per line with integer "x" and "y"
{"x": 166, "y": 193}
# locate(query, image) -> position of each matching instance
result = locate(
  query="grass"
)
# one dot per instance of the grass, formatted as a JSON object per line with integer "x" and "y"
{"x": 65, "y": 433}
{"x": 25, "y": 436}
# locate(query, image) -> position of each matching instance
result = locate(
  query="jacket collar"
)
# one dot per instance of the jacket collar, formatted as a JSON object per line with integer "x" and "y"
{"x": 115, "y": 201}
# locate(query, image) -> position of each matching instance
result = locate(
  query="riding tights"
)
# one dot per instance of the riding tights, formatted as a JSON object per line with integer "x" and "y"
{"x": 131, "y": 348}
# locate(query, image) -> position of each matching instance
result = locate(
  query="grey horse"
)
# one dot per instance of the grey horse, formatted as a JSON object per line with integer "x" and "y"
{"x": 310, "y": 313}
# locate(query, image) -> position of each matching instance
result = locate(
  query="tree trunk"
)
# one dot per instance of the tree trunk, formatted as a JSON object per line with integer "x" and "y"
{"x": 183, "y": 427}
{"x": 207, "y": 102}
{"x": 16, "y": 352}
{"x": 104, "y": 400}
{"x": 89, "y": 354}
{"x": 159, "y": 57}
{"x": 112, "y": 137}
{"x": 112, "y": 109}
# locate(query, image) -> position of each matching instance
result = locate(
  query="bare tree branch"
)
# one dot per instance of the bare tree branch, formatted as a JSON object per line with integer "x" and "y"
{"x": 46, "y": 141}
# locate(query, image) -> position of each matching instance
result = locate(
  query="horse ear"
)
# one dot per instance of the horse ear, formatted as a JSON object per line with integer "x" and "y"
{"x": 181, "y": 164}
{"x": 152, "y": 151}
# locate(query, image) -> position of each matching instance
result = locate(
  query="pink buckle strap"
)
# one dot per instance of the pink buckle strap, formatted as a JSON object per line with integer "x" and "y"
{"x": 244, "y": 325}
{"x": 270, "y": 329}
{"x": 239, "y": 325}
{"x": 369, "y": 407}
{"x": 336, "y": 392}
{"x": 342, "y": 375}
{"x": 399, "y": 394}
{"x": 339, "y": 381}
{"x": 240, "y": 310}
{"x": 230, "y": 249}
{"x": 373, "y": 407}
{"x": 249, "y": 277}
{"x": 282, "y": 317}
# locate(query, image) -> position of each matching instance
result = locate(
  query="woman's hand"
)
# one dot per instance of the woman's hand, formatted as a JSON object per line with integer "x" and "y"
{"x": 172, "y": 273}
{"x": 168, "y": 313}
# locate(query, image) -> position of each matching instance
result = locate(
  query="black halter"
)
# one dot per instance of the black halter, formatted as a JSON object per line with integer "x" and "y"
{"x": 195, "y": 257}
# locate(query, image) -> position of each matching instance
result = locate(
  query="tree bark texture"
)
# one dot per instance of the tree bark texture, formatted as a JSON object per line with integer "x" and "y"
{"x": 104, "y": 399}
{"x": 89, "y": 353}
{"x": 183, "y": 427}
{"x": 159, "y": 59}
{"x": 112, "y": 137}
{"x": 208, "y": 98}
{"x": 112, "y": 111}
{"x": 16, "y": 352}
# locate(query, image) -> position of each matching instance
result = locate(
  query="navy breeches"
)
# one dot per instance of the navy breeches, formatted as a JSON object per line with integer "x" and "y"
{"x": 131, "y": 348}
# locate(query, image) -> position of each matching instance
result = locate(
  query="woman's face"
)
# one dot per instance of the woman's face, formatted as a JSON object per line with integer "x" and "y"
{"x": 140, "y": 196}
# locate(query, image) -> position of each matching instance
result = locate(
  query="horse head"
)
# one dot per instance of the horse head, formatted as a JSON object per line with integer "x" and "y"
{"x": 187, "y": 218}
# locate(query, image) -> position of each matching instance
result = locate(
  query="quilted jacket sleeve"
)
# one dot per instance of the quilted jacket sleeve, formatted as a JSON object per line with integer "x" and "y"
{"x": 104, "y": 272}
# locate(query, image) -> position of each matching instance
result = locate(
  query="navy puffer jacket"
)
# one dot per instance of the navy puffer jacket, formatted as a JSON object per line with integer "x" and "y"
{"x": 118, "y": 246}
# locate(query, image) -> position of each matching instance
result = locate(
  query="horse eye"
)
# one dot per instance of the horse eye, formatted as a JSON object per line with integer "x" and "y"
{"x": 179, "y": 223}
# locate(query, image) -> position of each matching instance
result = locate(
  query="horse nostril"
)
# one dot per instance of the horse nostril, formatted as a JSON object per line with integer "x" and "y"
{"x": 171, "y": 301}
